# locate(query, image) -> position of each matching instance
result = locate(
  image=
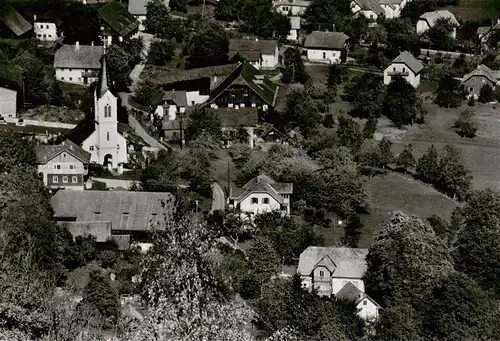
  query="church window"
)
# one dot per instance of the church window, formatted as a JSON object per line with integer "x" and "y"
{"x": 107, "y": 111}
{"x": 107, "y": 135}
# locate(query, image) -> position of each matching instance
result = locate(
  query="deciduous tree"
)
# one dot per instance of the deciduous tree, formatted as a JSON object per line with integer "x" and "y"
{"x": 161, "y": 52}
{"x": 406, "y": 159}
{"x": 466, "y": 126}
{"x": 486, "y": 94}
{"x": 352, "y": 231}
{"x": 449, "y": 93}
{"x": 401, "y": 104}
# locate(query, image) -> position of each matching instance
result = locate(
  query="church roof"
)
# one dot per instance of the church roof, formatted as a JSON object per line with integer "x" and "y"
{"x": 104, "y": 82}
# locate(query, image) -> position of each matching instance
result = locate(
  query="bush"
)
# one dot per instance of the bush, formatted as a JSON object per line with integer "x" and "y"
{"x": 466, "y": 126}
{"x": 486, "y": 94}
{"x": 161, "y": 52}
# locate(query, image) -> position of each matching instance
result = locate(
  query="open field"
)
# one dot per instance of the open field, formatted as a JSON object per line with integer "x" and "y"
{"x": 470, "y": 10}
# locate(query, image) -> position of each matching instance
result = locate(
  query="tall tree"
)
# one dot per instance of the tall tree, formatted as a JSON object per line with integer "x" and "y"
{"x": 324, "y": 12}
{"x": 352, "y": 231}
{"x": 385, "y": 152}
{"x": 440, "y": 35}
{"x": 301, "y": 112}
{"x": 366, "y": 95}
{"x": 208, "y": 46}
{"x": 203, "y": 121}
{"x": 80, "y": 23}
{"x": 454, "y": 178}
{"x": 294, "y": 70}
{"x": 349, "y": 134}
{"x": 402, "y": 37}
{"x": 402, "y": 105}
{"x": 406, "y": 158}
{"x": 449, "y": 93}
{"x": 428, "y": 166}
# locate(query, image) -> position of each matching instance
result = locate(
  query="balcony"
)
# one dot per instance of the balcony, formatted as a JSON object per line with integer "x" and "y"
{"x": 399, "y": 73}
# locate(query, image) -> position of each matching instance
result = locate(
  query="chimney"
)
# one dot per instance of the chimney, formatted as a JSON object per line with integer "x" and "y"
{"x": 77, "y": 45}
{"x": 214, "y": 79}
{"x": 34, "y": 17}
{"x": 173, "y": 91}
{"x": 92, "y": 43}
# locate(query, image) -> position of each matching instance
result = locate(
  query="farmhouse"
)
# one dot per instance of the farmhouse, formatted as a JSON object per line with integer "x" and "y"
{"x": 117, "y": 24}
{"x": 368, "y": 309}
{"x": 8, "y": 98}
{"x": 45, "y": 30}
{"x": 232, "y": 119}
{"x": 293, "y": 35}
{"x": 170, "y": 104}
{"x": 261, "y": 195}
{"x": 429, "y": 19}
{"x": 62, "y": 166}
{"x": 368, "y": 8}
{"x": 392, "y": 8}
{"x": 259, "y": 53}
{"x": 329, "y": 269}
{"x": 111, "y": 214}
{"x": 406, "y": 66}
{"x": 13, "y": 24}
{"x": 292, "y": 7}
{"x": 77, "y": 63}
{"x": 326, "y": 47}
{"x": 138, "y": 9}
{"x": 479, "y": 77}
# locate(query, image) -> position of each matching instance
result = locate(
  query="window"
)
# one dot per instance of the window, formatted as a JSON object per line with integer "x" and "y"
{"x": 69, "y": 69}
{"x": 45, "y": 36}
{"x": 266, "y": 200}
{"x": 57, "y": 166}
{"x": 65, "y": 179}
{"x": 192, "y": 102}
{"x": 324, "y": 55}
{"x": 107, "y": 111}
{"x": 91, "y": 148}
{"x": 47, "y": 26}
{"x": 365, "y": 302}
{"x": 74, "y": 179}
{"x": 50, "y": 35}
{"x": 471, "y": 89}
{"x": 39, "y": 35}
{"x": 404, "y": 69}
{"x": 107, "y": 135}
{"x": 70, "y": 78}
{"x": 255, "y": 201}
{"x": 71, "y": 166}
{"x": 55, "y": 179}
{"x": 393, "y": 69}
{"x": 62, "y": 78}
{"x": 321, "y": 274}
{"x": 371, "y": 16}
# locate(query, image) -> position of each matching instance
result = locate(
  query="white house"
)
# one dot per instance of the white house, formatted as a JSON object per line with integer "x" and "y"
{"x": 368, "y": 309}
{"x": 172, "y": 103}
{"x": 368, "y": 8}
{"x": 8, "y": 100}
{"x": 326, "y": 47}
{"x": 105, "y": 144}
{"x": 329, "y": 269}
{"x": 45, "y": 31}
{"x": 77, "y": 63}
{"x": 63, "y": 165}
{"x": 292, "y": 7}
{"x": 406, "y": 66}
{"x": 429, "y": 19}
{"x": 260, "y": 53}
{"x": 261, "y": 195}
{"x": 293, "y": 35}
{"x": 392, "y": 8}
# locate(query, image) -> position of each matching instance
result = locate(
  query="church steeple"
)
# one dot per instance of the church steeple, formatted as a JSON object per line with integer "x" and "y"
{"x": 104, "y": 83}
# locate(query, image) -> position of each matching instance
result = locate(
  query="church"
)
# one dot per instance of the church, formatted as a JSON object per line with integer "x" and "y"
{"x": 105, "y": 144}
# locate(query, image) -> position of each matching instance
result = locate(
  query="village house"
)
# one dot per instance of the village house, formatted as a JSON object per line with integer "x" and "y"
{"x": 62, "y": 166}
{"x": 8, "y": 98}
{"x": 261, "y": 195}
{"x": 406, "y": 66}
{"x": 293, "y": 35}
{"x": 45, "y": 30}
{"x": 105, "y": 144}
{"x": 479, "y": 77}
{"x": 117, "y": 24}
{"x": 291, "y": 7}
{"x": 392, "y": 8}
{"x": 77, "y": 63}
{"x": 329, "y": 269}
{"x": 138, "y": 9}
{"x": 171, "y": 104}
{"x": 13, "y": 24}
{"x": 429, "y": 19}
{"x": 129, "y": 216}
{"x": 233, "y": 119}
{"x": 326, "y": 47}
{"x": 368, "y": 309}
{"x": 370, "y": 9}
{"x": 260, "y": 53}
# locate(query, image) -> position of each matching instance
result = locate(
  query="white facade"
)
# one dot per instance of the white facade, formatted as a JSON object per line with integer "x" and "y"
{"x": 423, "y": 26}
{"x": 369, "y": 14}
{"x": 393, "y": 11}
{"x": 258, "y": 203}
{"x": 367, "y": 309}
{"x": 45, "y": 31}
{"x": 296, "y": 8}
{"x": 106, "y": 144}
{"x": 403, "y": 71}
{"x": 194, "y": 97}
{"x": 77, "y": 76}
{"x": 324, "y": 56}
{"x": 141, "y": 19}
{"x": 8, "y": 102}
{"x": 63, "y": 171}
{"x": 170, "y": 110}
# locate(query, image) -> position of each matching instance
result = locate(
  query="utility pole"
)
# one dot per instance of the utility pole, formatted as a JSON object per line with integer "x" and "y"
{"x": 180, "y": 128}
{"x": 228, "y": 177}
{"x": 203, "y": 9}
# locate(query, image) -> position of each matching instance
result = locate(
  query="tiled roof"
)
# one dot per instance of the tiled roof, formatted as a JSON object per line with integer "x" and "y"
{"x": 432, "y": 17}
{"x": 297, "y": 3}
{"x": 122, "y": 240}
{"x": 262, "y": 46}
{"x": 118, "y": 18}
{"x": 410, "y": 61}
{"x": 232, "y": 117}
{"x": 82, "y": 57}
{"x": 483, "y": 71}
{"x": 349, "y": 262}
{"x": 45, "y": 153}
{"x": 371, "y": 5}
{"x": 137, "y": 7}
{"x": 244, "y": 73}
{"x": 326, "y": 40}
{"x": 127, "y": 211}
{"x": 177, "y": 97}
{"x": 352, "y": 293}
{"x": 101, "y": 230}
{"x": 251, "y": 56}
{"x": 104, "y": 82}
{"x": 15, "y": 21}
{"x": 262, "y": 183}
{"x": 175, "y": 75}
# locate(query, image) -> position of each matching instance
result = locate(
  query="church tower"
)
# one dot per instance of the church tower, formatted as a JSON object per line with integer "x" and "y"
{"x": 110, "y": 144}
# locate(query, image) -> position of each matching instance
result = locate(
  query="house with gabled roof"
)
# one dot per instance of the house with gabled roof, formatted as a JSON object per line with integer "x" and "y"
{"x": 370, "y": 9}
{"x": 78, "y": 64}
{"x": 117, "y": 24}
{"x": 368, "y": 309}
{"x": 259, "y": 53}
{"x": 328, "y": 269}
{"x": 62, "y": 166}
{"x": 326, "y": 47}
{"x": 261, "y": 195}
{"x": 9, "y": 98}
{"x": 13, "y": 24}
{"x": 392, "y": 8}
{"x": 405, "y": 65}
{"x": 429, "y": 19}
{"x": 291, "y": 7}
{"x": 479, "y": 77}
